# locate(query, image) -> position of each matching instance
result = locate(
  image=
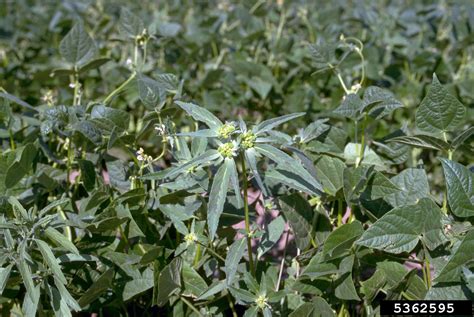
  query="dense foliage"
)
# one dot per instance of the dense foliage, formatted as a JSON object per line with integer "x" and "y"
{"x": 230, "y": 158}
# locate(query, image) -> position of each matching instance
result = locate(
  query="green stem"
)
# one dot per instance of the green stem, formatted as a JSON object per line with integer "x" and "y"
{"x": 214, "y": 253}
{"x": 120, "y": 88}
{"x": 190, "y": 305}
{"x": 339, "y": 213}
{"x": 247, "y": 217}
{"x": 346, "y": 91}
{"x": 75, "y": 100}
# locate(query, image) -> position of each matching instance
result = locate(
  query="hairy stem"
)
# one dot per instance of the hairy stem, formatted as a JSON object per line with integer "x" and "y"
{"x": 119, "y": 88}
{"x": 247, "y": 217}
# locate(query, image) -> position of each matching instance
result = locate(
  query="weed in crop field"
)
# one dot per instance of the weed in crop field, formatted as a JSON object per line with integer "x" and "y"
{"x": 230, "y": 158}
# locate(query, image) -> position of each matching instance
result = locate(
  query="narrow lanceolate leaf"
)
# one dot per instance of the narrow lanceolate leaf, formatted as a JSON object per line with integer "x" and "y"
{"x": 4, "y": 275}
{"x": 286, "y": 162}
{"x": 30, "y": 302}
{"x": 51, "y": 260}
{"x": 439, "y": 111}
{"x": 234, "y": 180}
{"x": 291, "y": 180}
{"x": 204, "y": 158}
{"x": 297, "y": 211}
{"x": 460, "y": 186}
{"x": 463, "y": 255}
{"x": 272, "y": 234}
{"x": 268, "y": 125}
{"x": 235, "y": 254}
{"x": 340, "y": 240}
{"x": 26, "y": 277}
{"x": 217, "y": 196}
{"x": 422, "y": 141}
{"x": 200, "y": 114}
{"x": 250, "y": 156}
{"x": 194, "y": 284}
{"x": 59, "y": 239}
{"x": 402, "y": 228}
{"x": 77, "y": 47}
{"x": 66, "y": 296}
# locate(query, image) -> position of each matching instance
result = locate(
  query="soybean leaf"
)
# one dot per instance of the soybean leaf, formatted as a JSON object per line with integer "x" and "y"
{"x": 200, "y": 114}
{"x": 21, "y": 165}
{"x": 100, "y": 285}
{"x": 345, "y": 288}
{"x": 234, "y": 255}
{"x": 402, "y": 228}
{"x": 350, "y": 107}
{"x": 439, "y": 112}
{"x": 272, "y": 234}
{"x": 129, "y": 24}
{"x": 340, "y": 240}
{"x": 330, "y": 173}
{"x": 422, "y": 141}
{"x": 194, "y": 284}
{"x": 463, "y": 255}
{"x": 379, "y": 102}
{"x": 151, "y": 93}
{"x": 88, "y": 174}
{"x": 169, "y": 281}
{"x": 138, "y": 285}
{"x": 413, "y": 183}
{"x": 317, "y": 268}
{"x": 217, "y": 196}
{"x": 298, "y": 212}
{"x": 462, "y": 137}
{"x": 112, "y": 117}
{"x": 380, "y": 186}
{"x": 317, "y": 308}
{"x": 77, "y": 47}
{"x": 460, "y": 186}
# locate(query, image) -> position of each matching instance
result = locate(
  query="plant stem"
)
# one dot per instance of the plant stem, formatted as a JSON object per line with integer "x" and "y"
{"x": 231, "y": 304}
{"x": 247, "y": 217}
{"x": 75, "y": 100}
{"x": 120, "y": 88}
{"x": 346, "y": 91}
{"x": 362, "y": 141}
{"x": 282, "y": 264}
{"x": 190, "y": 305}
{"x": 339, "y": 213}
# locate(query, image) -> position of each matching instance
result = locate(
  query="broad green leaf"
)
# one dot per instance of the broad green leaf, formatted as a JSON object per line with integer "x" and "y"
{"x": 234, "y": 255}
{"x": 355, "y": 179}
{"x": 340, "y": 240}
{"x": 379, "y": 102}
{"x": 463, "y": 255}
{"x": 129, "y": 24}
{"x": 138, "y": 285}
{"x": 272, "y": 234}
{"x": 94, "y": 64}
{"x": 100, "y": 285}
{"x": 462, "y": 137}
{"x": 112, "y": 116}
{"x": 270, "y": 124}
{"x": 352, "y": 154}
{"x": 169, "y": 281}
{"x": 323, "y": 54}
{"x": 77, "y": 47}
{"x": 4, "y": 275}
{"x": 345, "y": 288}
{"x": 330, "y": 170}
{"x": 439, "y": 112}
{"x": 460, "y": 186}
{"x": 88, "y": 174}
{"x": 194, "y": 284}
{"x": 22, "y": 164}
{"x": 51, "y": 260}
{"x": 413, "y": 183}
{"x": 371, "y": 287}
{"x": 200, "y": 114}
{"x": 448, "y": 292}
{"x": 422, "y": 141}
{"x": 298, "y": 213}
{"x": 217, "y": 196}
{"x": 380, "y": 186}
{"x": 350, "y": 107}
{"x": 59, "y": 239}
{"x": 317, "y": 268}
{"x": 318, "y": 307}
{"x": 151, "y": 93}
{"x": 402, "y": 228}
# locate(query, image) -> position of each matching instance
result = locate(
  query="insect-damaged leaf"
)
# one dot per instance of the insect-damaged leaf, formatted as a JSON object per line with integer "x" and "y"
{"x": 439, "y": 111}
{"x": 402, "y": 228}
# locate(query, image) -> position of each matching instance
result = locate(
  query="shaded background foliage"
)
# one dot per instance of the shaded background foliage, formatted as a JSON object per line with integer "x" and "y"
{"x": 234, "y": 58}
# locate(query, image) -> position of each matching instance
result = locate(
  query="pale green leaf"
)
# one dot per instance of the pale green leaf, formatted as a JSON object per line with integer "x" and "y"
{"x": 200, "y": 114}
{"x": 51, "y": 260}
{"x": 217, "y": 196}
{"x": 234, "y": 255}
{"x": 272, "y": 234}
